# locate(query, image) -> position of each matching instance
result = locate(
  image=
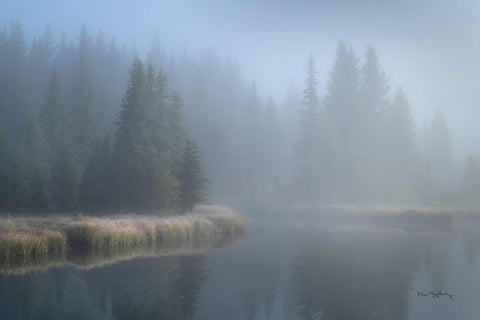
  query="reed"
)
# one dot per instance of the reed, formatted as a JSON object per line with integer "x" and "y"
{"x": 39, "y": 236}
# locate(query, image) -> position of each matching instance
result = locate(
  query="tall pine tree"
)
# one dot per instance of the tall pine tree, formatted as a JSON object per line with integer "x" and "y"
{"x": 193, "y": 181}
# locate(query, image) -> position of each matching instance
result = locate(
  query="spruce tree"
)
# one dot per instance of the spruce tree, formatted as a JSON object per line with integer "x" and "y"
{"x": 94, "y": 189}
{"x": 311, "y": 145}
{"x": 133, "y": 148}
{"x": 63, "y": 185}
{"x": 174, "y": 129}
{"x": 401, "y": 150}
{"x": 309, "y": 120}
{"x": 193, "y": 182}
{"x": 81, "y": 99}
{"x": 371, "y": 125}
{"x": 36, "y": 164}
{"x": 471, "y": 182}
{"x": 53, "y": 115}
{"x": 439, "y": 149}
{"x": 341, "y": 108}
{"x": 13, "y": 80}
{"x": 59, "y": 137}
{"x": 5, "y": 173}
{"x": 21, "y": 190}
{"x": 341, "y": 99}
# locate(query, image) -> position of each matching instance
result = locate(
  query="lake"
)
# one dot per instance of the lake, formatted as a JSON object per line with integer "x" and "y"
{"x": 283, "y": 268}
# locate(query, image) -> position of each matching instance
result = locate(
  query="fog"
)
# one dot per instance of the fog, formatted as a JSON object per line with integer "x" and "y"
{"x": 239, "y": 159}
{"x": 230, "y": 58}
{"x": 429, "y": 48}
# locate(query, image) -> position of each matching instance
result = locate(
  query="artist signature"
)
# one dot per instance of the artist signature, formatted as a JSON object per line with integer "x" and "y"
{"x": 435, "y": 294}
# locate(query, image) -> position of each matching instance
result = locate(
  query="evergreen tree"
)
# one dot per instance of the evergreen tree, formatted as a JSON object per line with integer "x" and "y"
{"x": 193, "y": 182}
{"x": 439, "y": 150}
{"x": 59, "y": 137}
{"x": 306, "y": 151}
{"x": 63, "y": 186}
{"x": 31, "y": 175}
{"x": 175, "y": 129}
{"x": 471, "y": 182}
{"x": 149, "y": 141}
{"x": 5, "y": 173}
{"x": 371, "y": 123}
{"x": 36, "y": 164}
{"x": 94, "y": 189}
{"x": 252, "y": 142}
{"x": 21, "y": 192}
{"x": 309, "y": 120}
{"x": 53, "y": 114}
{"x": 13, "y": 80}
{"x": 84, "y": 126}
{"x": 341, "y": 108}
{"x": 133, "y": 149}
{"x": 341, "y": 99}
{"x": 401, "y": 150}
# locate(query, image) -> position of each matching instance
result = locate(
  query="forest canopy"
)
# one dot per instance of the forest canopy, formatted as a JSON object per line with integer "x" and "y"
{"x": 88, "y": 124}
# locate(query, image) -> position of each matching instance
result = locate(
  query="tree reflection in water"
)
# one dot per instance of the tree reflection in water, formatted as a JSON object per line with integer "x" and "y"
{"x": 354, "y": 274}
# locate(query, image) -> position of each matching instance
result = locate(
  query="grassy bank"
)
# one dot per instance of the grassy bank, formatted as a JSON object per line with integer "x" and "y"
{"x": 39, "y": 236}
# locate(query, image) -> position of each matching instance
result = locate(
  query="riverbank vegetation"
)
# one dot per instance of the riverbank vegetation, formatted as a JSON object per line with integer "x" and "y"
{"x": 36, "y": 236}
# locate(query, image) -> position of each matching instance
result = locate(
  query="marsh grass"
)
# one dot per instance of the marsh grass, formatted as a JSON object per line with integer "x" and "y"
{"x": 40, "y": 236}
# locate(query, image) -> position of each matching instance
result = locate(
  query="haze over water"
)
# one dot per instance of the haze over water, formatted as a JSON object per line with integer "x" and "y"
{"x": 294, "y": 270}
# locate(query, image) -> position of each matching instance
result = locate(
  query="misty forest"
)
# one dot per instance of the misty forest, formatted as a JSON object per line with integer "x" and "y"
{"x": 312, "y": 176}
{"x": 91, "y": 125}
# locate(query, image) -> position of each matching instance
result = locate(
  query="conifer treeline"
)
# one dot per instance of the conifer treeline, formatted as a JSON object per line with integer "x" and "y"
{"x": 358, "y": 145}
{"x": 62, "y": 162}
{"x": 64, "y": 126}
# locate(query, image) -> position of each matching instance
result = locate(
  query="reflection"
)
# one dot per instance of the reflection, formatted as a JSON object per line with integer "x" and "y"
{"x": 471, "y": 241}
{"x": 144, "y": 288}
{"x": 282, "y": 271}
{"x": 355, "y": 274}
{"x": 89, "y": 259}
{"x": 250, "y": 280}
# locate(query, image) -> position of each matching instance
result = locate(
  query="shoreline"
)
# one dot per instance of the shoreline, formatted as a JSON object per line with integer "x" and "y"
{"x": 40, "y": 236}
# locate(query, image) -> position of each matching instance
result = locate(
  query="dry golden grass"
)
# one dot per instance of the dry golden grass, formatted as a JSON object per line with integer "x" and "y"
{"x": 34, "y": 236}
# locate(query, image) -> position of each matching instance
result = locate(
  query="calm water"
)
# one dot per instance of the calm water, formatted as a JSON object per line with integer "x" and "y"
{"x": 283, "y": 269}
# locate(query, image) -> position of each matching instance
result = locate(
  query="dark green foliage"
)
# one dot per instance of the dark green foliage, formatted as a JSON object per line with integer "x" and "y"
{"x": 84, "y": 126}
{"x": 31, "y": 172}
{"x": 36, "y": 164}
{"x": 353, "y": 144}
{"x": 63, "y": 179}
{"x": 193, "y": 182}
{"x": 13, "y": 80}
{"x": 94, "y": 189}
{"x": 53, "y": 115}
{"x": 5, "y": 173}
{"x": 21, "y": 192}
{"x": 132, "y": 146}
{"x": 57, "y": 164}
{"x": 148, "y": 146}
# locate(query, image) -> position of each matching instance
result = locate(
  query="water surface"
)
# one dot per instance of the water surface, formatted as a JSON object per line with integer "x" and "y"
{"x": 284, "y": 268}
